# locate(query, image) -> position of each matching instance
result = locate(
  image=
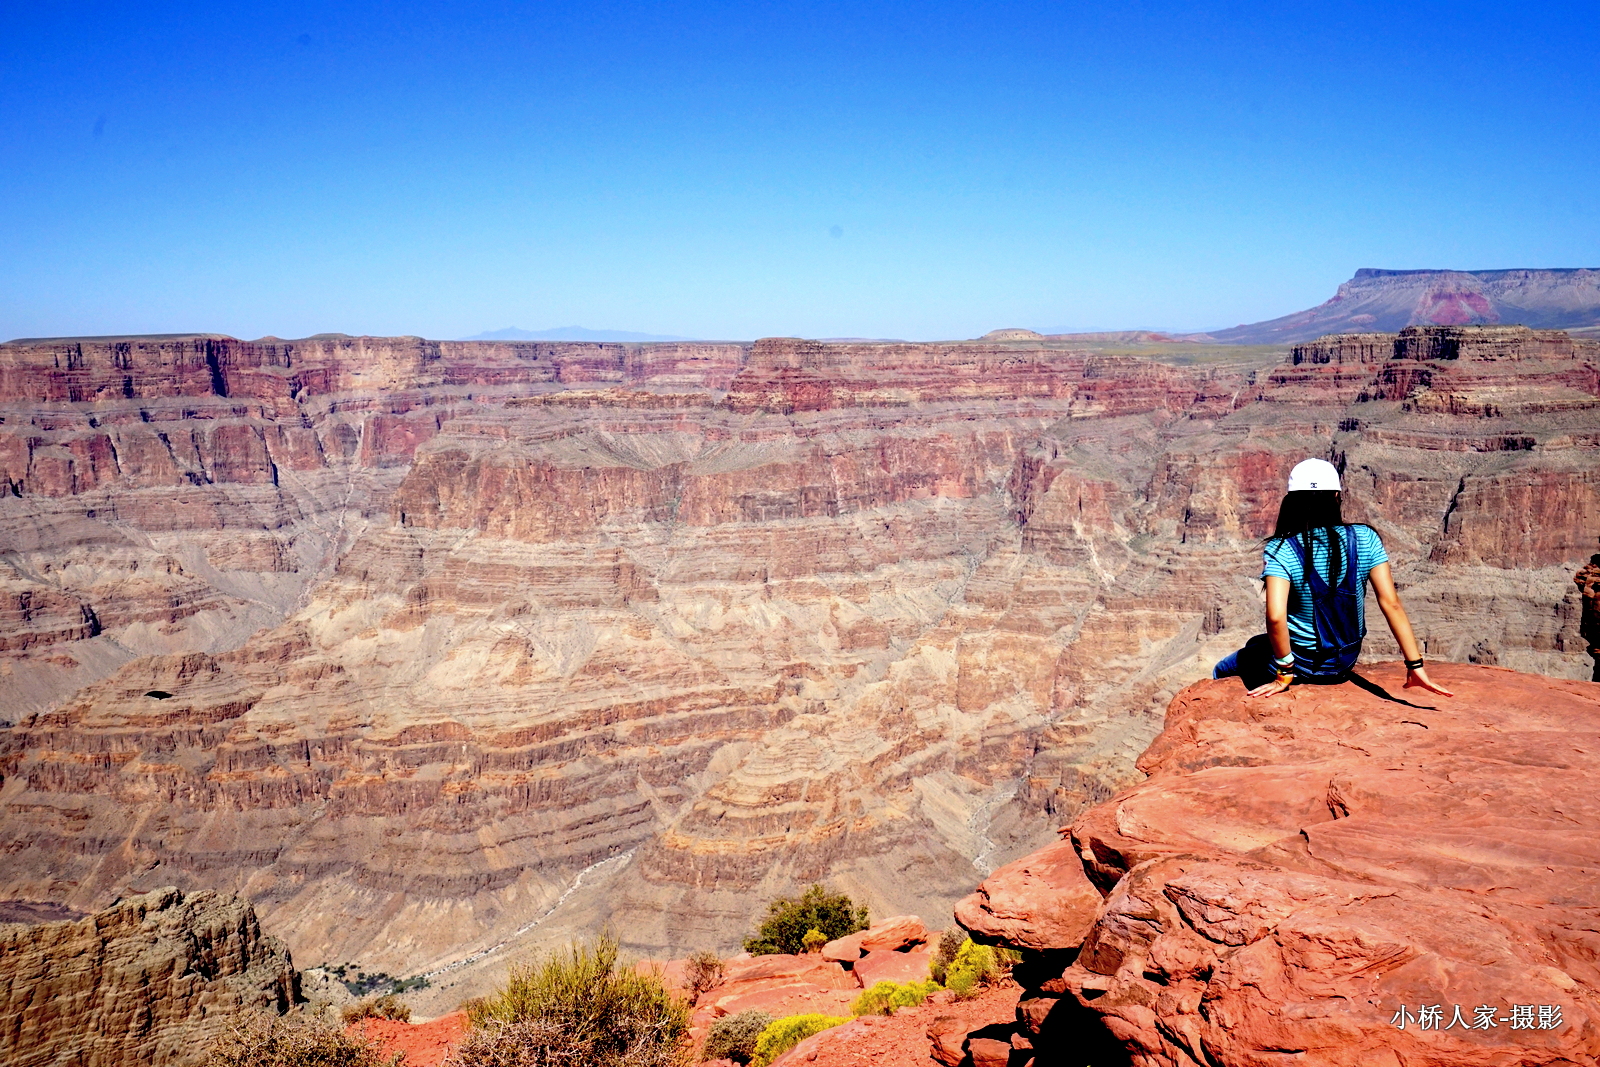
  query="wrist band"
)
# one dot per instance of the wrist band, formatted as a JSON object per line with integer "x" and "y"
{"x": 1413, "y": 664}
{"x": 1285, "y": 663}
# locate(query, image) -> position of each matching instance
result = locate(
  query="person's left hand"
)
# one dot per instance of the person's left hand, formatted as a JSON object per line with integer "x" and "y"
{"x": 1277, "y": 685}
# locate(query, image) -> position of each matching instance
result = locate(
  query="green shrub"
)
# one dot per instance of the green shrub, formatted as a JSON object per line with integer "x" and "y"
{"x": 814, "y": 941}
{"x": 702, "y": 971}
{"x": 299, "y": 1039}
{"x": 734, "y": 1037}
{"x": 384, "y": 1007}
{"x": 577, "y": 1007}
{"x": 788, "y": 919}
{"x": 884, "y": 997}
{"x": 944, "y": 953}
{"x": 973, "y": 965}
{"x": 784, "y": 1034}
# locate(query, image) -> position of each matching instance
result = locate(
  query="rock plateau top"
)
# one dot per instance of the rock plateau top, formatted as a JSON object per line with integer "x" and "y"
{"x": 1394, "y": 299}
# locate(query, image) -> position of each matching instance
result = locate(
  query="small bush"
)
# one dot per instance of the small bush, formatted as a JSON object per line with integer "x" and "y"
{"x": 973, "y": 966}
{"x": 788, "y": 920}
{"x": 813, "y": 941}
{"x": 884, "y": 997}
{"x": 733, "y": 1037}
{"x": 944, "y": 953}
{"x": 577, "y": 1007}
{"x": 384, "y": 1007}
{"x": 702, "y": 971}
{"x": 299, "y": 1039}
{"x": 784, "y": 1034}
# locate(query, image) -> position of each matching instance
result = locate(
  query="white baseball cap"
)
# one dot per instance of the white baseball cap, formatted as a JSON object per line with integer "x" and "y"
{"x": 1313, "y": 474}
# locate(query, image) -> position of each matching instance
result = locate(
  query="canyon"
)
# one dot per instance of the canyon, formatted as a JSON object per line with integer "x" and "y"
{"x": 437, "y": 651}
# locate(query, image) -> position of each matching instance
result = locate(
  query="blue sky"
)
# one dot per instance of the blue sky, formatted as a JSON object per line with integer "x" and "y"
{"x": 922, "y": 170}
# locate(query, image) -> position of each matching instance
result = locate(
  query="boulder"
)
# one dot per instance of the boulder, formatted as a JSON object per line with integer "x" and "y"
{"x": 990, "y": 1046}
{"x": 894, "y": 934}
{"x": 1041, "y": 901}
{"x": 812, "y": 969}
{"x": 887, "y": 966}
{"x": 948, "y": 1035}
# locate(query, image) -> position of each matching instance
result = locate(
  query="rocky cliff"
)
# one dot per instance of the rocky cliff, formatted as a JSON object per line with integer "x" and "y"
{"x": 1342, "y": 875}
{"x": 432, "y": 648}
{"x": 1394, "y": 299}
{"x": 148, "y": 981}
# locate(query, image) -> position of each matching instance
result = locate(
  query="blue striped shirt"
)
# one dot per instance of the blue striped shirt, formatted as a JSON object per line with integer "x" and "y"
{"x": 1279, "y": 560}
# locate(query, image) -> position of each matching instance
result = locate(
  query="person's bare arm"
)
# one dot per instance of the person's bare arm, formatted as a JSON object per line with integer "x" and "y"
{"x": 1400, "y": 625}
{"x": 1277, "y": 633}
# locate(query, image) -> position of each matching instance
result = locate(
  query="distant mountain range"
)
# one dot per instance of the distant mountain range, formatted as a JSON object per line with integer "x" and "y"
{"x": 1390, "y": 300}
{"x": 569, "y": 333}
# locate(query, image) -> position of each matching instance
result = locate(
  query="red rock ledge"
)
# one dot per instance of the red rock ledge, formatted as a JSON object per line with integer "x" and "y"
{"x": 1299, "y": 876}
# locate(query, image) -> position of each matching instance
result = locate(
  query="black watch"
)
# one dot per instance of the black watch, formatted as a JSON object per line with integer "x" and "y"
{"x": 1413, "y": 664}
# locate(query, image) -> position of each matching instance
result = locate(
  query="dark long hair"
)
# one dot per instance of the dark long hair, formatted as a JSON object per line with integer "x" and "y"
{"x": 1311, "y": 514}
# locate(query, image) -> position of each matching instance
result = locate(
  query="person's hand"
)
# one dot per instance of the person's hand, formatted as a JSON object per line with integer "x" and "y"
{"x": 1418, "y": 679}
{"x": 1277, "y": 685}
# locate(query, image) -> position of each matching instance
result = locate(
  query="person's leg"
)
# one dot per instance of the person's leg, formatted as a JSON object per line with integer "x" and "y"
{"x": 1252, "y": 663}
{"x": 1228, "y": 665}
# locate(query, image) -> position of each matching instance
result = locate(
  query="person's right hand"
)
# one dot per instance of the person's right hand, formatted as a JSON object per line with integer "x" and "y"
{"x": 1418, "y": 679}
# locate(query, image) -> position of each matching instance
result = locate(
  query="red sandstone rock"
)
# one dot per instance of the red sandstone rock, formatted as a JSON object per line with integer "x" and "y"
{"x": 889, "y": 966}
{"x": 778, "y": 966}
{"x": 907, "y": 1038}
{"x": 948, "y": 1034}
{"x": 890, "y": 935}
{"x": 1041, "y": 901}
{"x": 1307, "y": 873}
{"x": 989, "y": 1051}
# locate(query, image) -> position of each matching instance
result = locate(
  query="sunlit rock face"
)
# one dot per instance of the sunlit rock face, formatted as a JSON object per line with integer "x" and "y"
{"x": 412, "y": 642}
{"x": 1394, "y": 299}
{"x": 1351, "y": 875}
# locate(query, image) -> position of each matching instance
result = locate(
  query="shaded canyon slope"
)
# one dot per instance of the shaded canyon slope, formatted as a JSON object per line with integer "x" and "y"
{"x": 1329, "y": 878}
{"x": 435, "y": 649}
{"x": 1394, "y": 299}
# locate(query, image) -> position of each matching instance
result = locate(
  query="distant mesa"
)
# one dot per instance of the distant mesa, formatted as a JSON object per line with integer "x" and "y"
{"x": 1386, "y": 301}
{"x": 569, "y": 333}
{"x": 1012, "y": 334}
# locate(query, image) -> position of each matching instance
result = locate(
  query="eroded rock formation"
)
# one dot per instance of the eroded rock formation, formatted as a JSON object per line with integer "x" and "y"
{"x": 148, "y": 982}
{"x": 412, "y": 642}
{"x": 1394, "y": 299}
{"x": 1336, "y": 875}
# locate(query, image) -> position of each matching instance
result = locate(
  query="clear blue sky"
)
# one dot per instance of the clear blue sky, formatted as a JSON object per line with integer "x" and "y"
{"x": 917, "y": 170}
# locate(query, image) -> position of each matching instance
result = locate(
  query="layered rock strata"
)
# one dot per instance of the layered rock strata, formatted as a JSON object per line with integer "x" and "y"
{"x": 433, "y": 649}
{"x": 148, "y": 982}
{"x": 1395, "y": 299}
{"x": 1342, "y": 875}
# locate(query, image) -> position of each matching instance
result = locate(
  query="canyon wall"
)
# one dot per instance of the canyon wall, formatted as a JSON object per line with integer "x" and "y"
{"x": 147, "y": 982}
{"x": 433, "y": 650}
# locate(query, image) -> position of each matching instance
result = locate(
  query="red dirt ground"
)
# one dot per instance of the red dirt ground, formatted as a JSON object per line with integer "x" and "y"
{"x": 425, "y": 1044}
